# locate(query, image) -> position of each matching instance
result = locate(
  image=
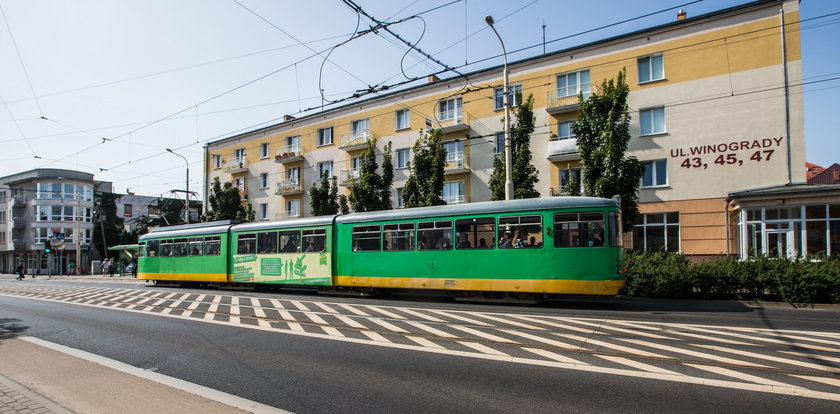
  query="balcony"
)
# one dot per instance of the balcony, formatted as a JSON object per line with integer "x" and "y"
{"x": 236, "y": 166}
{"x": 19, "y": 223}
{"x": 563, "y": 100}
{"x": 19, "y": 202}
{"x": 561, "y": 191}
{"x": 346, "y": 177}
{"x": 563, "y": 149}
{"x": 289, "y": 154}
{"x": 19, "y": 244}
{"x": 458, "y": 123}
{"x": 289, "y": 187}
{"x": 455, "y": 199}
{"x": 290, "y": 214}
{"x": 356, "y": 140}
{"x": 456, "y": 163}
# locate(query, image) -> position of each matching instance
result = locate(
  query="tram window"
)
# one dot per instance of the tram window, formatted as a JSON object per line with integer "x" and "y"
{"x": 615, "y": 229}
{"x": 179, "y": 248}
{"x": 520, "y": 231}
{"x": 267, "y": 242}
{"x": 366, "y": 238}
{"x": 196, "y": 246}
{"x": 165, "y": 248}
{"x": 211, "y": 246}
{"x": 290, "y": 240}
{"x": 315, "y": 240}
{"x": 475, "y": 233}
{"x": 246, "y": 243}
{"x": 579, "y": 229}
{"x": 152, "y": 248}
{"x": 141, "y": 251}
{"x": 434, "y": 235}
{"x": 398, "y": 237}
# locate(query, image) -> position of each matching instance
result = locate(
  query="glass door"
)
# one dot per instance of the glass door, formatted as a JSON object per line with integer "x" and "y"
{"x": 780, "y": 243}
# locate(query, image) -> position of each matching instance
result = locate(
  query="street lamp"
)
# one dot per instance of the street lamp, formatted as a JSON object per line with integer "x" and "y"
{"x": 505, "y": 92}
{"x": 187, "y": 193}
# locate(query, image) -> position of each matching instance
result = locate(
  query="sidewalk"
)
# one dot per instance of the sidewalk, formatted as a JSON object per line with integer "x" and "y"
{"x": 40, "y": 377}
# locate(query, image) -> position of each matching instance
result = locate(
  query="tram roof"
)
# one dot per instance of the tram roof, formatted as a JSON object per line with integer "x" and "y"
{"x": 301, "y": 222}
{"x": 187, "y": 230}
{"x": 486, "y": 207}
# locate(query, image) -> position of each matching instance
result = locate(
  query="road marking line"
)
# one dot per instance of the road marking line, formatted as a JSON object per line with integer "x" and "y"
{"x": 332, "y": 331}
{"x": 709, "y": 338}
{"x": 824, "y": 380}
{"x": 636, "y": 364}
{"x": 554, "y": 356}
{"x": 740, "y": 375}
{"x": 704, "y": 355}
{"x": 295, "y": 327}
{"x": 483, "y": 334}
{"x": 350, "y": 322}
{"x": 263, "y": 323}
{"x": 353, "y": 310}
{"x": 820, "y": 341}
{"x": 541, "y": 339}
{"x": 185, "y": 314}
{"x": 232, "y": 319}
{"x": 166, "y": 311}
{"x": 213, "y": 307}
{"x": 772, "y": 358}
{"x": 614, "y": 346}
{"x": 234, "y": 310}
{"x": 556, "y": 325}
{"x": 508, "y": 321}
{"x": 389, "y": 326}
{"x": 140, "y": 302}
{"x": 424, "y": 342}
{"x": 171, "y": 295}
{"x": 258, "y": 310}
{"x": 234, "y": 301}
{"x": 217, "y": 299}
{"x": 325, "y": 307}
{"x": 210, "y": 316}
{"x": 179, "y": 384}
{"x": 315, "y": 318}
{"x": 422, "y": 316}
{"x": 760, "y": 338}
{"x": 375, "y": 336}
{"x": 386, "y": 313}
{"x": 431, "y": 330}
{"x": 276, "y": 303}
{"x": 460, "y": 318}
{"x": 158, "y": 302}
{"x": 299, "y": 305}
{"x": 286, "y": 315}
{"x": 482, "y": 348}
{"x": 813, "y": 356}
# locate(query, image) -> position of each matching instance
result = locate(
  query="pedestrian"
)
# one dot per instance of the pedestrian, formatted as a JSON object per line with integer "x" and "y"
{"x": 19, "y": 271}
{"x": 112, "y": 267}
{"x": 134, "y": 266}
{"x": 105, "y": 264}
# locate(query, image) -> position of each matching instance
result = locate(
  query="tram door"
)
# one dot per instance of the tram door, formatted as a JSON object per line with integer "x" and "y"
{"x": 780, "y": 243}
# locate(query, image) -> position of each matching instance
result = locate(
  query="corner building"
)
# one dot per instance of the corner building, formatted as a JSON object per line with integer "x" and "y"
{"x": 715, "y": 102}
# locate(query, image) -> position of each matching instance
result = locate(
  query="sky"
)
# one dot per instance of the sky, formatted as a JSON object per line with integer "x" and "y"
{"x": 107, "y": 86}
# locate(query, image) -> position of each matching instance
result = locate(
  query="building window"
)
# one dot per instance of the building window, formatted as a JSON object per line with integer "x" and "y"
{"x": 564, "y": 130}
{"x": 293, "y": 144}
{"x": 514, "y": 96}
{"x": 239, "y": 155}
{"x": 127, "y": 210}
{"x": 657, "y": 232}
{"x": 263, "y": 211}
{"x": 651, "y": 68}
{"x": 360, "y": 128}
{"x": 500, "y": 143}
{"x": 325, "y": 136}
{"x": 403, "y": 157}
{"x": 454, "y": 150}
{"x": 450, "y": 109}
{"x": 325, "y": 167}
{"x": 217, "y": 162}
{"x": 652, "y": 121}
{"x": 453, "y": 193}
{"x": 263, "y": 150}
{"x": 568, "y": 174}
{"x": 399, "y": 198}
{"x": 401, "y": 119}
{"x": 264, "y": 180}
{"x": 656, "y": 174}
{"x": 292, "y": 175}
{"x": 293, "y": 208}
{"x": 573, "y": 83}
{"x": 239, "y": 183}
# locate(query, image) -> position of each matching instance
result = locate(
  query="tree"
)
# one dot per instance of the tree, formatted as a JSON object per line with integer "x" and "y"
{"x": 169, "y": 211}
{"x": 425, "y": 182}
{"x": 108, "y": 223}
{"x": 524, "y": 174}
{"x": 324, "y": 199}
{"x": 226, "y": 204}
{"x": 573, "y": 184}
{"x": 603, "y": 132}
{"x": 371, "y": 191}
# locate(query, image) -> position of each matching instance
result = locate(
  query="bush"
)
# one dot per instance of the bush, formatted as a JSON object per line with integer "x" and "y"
{"x": 670, "y": 275}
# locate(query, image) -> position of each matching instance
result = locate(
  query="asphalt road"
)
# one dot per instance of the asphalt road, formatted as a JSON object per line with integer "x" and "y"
{"x": 311, "y": 374}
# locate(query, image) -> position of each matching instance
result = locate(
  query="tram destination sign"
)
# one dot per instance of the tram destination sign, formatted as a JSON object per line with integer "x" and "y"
{"x": 733, "y": 153}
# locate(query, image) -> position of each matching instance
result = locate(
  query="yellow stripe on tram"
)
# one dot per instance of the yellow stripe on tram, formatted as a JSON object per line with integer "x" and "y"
{"x": 575, "y": 287}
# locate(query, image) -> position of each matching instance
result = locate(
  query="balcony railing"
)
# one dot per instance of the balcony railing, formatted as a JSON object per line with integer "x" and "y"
{"x": 346, "y": 177}
{"x": 455, "y": 199}
{"x": 290, "y": 153}
{"x": 561, "y": 191}
{"x": 565, "y": 99}
{"x": 562, "y": 149}
{"x": 356, "y": 140}
{"x": 236, "y": 166}
{"x": 291, "y": 213}
{"x": 456, "y": 163}
{"x": 457, "y": 123}
{"x": 286, "y": 187}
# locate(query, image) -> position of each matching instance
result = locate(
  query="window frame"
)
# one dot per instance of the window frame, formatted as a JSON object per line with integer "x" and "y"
{"x": 579, "y": 88}
{"x": 643, "y": 225}
{"x": 263, "y": 150}
{"x": 263, "y": 180}
{"x": 560, "y": 130}
{"x": 514, "y": 97}
{"x": 581, "y": 229}
{"x": 649, "y": 58}
{"x": 391, "y": 231}
{"x": 361, "y": 237}
{"x": 322, "y": 134}
{"x": 447, "y": 113}
{"x": 643, "y": 113}
{"x": 404, "y": 115}
{"x": 403, "y": 163}
{"x": 654, "y": 177}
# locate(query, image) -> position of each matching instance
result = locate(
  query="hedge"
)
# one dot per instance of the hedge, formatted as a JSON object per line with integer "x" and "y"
{"x": 671, "y": 275}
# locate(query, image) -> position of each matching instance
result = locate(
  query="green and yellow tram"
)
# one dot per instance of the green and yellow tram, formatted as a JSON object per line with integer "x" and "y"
{"x": 558, "y": 245}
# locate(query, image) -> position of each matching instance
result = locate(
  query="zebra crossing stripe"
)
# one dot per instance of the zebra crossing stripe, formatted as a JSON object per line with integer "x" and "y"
{"x": 386, "y": 313}
{"x": 617, "y": 347}
{"x": 332, "y": 331}
{"x": 424, "y": 342}
{"x": 740, "y": 375}
{"x": 623, "y": 330}
{"x": 258, "y": 310}
{"x": 325, "y": 307}
{"x": 460, "y": 318}
{"x": 813, "y": 356}
{"x": 353, "y": 310}
{"x": 547, "y": 341}
{"x": 558, "y": 325}
{"x": 636, "y": 364}
{"x": 482, "y": 348}
{"x": 422, "y": 316}
{"x": 823, "y": 380}
{"x": 431, "y": 330}
{"x": 554, "y": 356}
{"x": 375, "y": 336}
{"x": 773, "y": 358}
{"x": 350, "y": 322}
{"x": 693, "y": 353}
{"x": 299, "y": 305}
{"x": 509, "y": 322}
{"x": 315, "y": 318}
{"x": 484, "y": 335}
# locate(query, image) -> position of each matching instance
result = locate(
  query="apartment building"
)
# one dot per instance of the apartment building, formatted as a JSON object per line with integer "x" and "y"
{"x": 715, "y": 103}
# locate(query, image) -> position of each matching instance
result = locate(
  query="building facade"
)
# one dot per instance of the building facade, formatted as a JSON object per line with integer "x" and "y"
{"x": 715, "y": 102}
{"x": 46, "y": 204}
